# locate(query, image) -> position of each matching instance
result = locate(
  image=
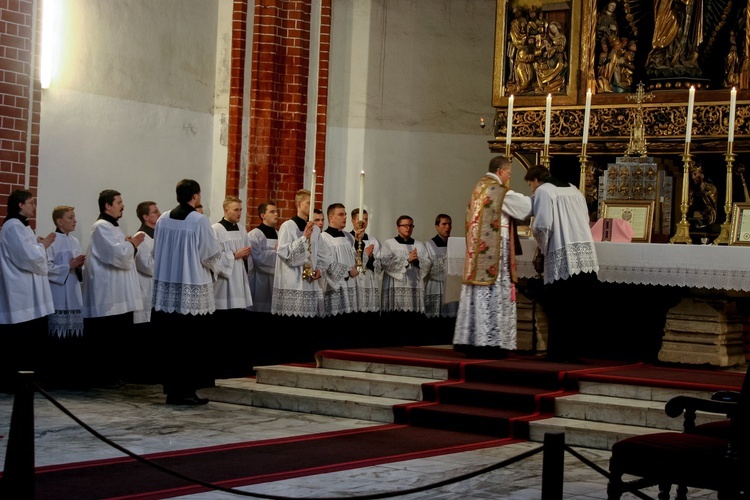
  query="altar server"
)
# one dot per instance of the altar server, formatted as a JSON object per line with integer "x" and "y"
{"x": 25, "y": 295}
{"x": 263, "y": 242}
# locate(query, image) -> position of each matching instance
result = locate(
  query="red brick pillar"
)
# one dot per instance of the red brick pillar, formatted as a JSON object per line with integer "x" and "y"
{"x": 16, "y": 59}
{"x": 278, "y": 107}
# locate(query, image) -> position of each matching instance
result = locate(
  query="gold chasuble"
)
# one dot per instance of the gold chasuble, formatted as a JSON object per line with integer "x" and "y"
{"x": 484, "y": 234}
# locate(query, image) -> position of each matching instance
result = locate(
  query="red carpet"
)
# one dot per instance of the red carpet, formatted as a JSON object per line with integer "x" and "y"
{"x": 251, "y": 463}
{"x": 695, "y": 379}
{"x": 500, "y": 397}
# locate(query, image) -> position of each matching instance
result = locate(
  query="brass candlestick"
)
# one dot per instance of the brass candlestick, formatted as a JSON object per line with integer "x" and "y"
{"x": 544, "y": 160}
{"x": 584, "y": 159}
{"x": 307, "y": 270}
{"x": 507, "y": 151}
{"x": 726, "y": 228}
{"x": 361, "y": 269}
{"x": 682, "y": 235}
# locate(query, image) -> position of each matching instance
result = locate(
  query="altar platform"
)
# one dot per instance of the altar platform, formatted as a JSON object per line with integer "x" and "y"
{"x": 699, "y": 293}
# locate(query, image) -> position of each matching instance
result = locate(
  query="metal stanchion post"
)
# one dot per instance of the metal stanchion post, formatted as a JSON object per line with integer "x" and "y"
{"x": 553, "y": 466}
{"x": 18, "y": 477}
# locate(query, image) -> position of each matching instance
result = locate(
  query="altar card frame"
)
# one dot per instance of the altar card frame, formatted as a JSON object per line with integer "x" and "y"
{"x": 568, "y": 13}
{"x": 740, "y": 224}
{"x": 638, "y": 213}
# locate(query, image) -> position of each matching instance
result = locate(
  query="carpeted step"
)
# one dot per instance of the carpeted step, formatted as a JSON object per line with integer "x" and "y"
{"x": 487, "y": 421}
{"x": 527, "y": 372}
{"x": 325, "y": 379}
{"x": 489, "y": 395}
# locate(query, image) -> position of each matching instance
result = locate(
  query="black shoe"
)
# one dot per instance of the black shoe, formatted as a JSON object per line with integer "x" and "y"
{"x": 193, "y": 400}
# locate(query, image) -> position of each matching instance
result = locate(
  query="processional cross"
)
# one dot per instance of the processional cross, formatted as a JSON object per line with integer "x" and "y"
{"x": 637, "y": 145}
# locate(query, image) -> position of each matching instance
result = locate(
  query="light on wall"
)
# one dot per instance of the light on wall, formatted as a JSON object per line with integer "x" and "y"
{"x": 51, "y": 19}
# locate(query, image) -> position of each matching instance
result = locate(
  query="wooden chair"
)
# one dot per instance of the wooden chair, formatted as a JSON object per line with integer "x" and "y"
{"x": 708, "y": 456}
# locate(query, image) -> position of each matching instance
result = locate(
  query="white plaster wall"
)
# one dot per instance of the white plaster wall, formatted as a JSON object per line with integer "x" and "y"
{"x": 130, "y": 106}
{"x": 141, "y": 101}
{"x": 409, "y": 80}
{"x": 91, "y": 142}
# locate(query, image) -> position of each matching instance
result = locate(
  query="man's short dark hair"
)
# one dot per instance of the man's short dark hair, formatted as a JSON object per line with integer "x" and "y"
{"x": 440, "y": 217}
{"x": 263, "y": 206}
{"x": 333, "y": 207}
{"x": 497, "y": 163}
{"x": 107, "y": 197}
{"x": 403, "y": 217}
{"x": 17, "y": 197}
{"x": 143, "y": 209}
{"x": 186, "y": 188}
{"x": 537, "y": 173}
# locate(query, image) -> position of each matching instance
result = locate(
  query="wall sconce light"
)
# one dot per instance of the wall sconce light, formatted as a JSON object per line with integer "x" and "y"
{"x": 51, "y": 20}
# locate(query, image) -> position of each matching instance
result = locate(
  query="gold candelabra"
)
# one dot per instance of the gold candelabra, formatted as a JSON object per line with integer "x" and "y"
{"x": 726, "y": 228}
{"x": 682, "y": 235}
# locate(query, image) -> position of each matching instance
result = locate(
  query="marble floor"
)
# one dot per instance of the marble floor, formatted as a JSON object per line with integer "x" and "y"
{"x": 135, "y": 417}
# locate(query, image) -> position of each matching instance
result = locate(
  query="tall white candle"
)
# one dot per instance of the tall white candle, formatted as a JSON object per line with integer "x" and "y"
{"x": 361, "y": 195}
{"x": 311, "y": 216}
{"x": 547, "y": 119}
{"x": 689, "y": 117}
{"x": 586, "y": 117}
{"x": 510, "y": 119}
{"x": 732, "y": 106}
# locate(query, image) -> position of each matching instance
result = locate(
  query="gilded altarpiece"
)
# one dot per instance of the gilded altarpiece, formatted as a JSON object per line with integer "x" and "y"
{"x": 610, "y": 46}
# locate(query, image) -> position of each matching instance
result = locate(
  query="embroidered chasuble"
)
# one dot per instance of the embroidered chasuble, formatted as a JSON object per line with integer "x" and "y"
{"x": 483, "y": 232}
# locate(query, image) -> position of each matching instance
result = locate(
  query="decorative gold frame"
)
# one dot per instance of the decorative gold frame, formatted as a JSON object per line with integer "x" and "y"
{"x": 570, "y": 97}
{"x": 643, "y": 210}
{"x": 740, "y": 224}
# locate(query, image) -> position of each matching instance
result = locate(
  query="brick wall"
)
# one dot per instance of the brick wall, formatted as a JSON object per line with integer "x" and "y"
{"x": 278, "y": 107}
{"x": 15, "y": 62}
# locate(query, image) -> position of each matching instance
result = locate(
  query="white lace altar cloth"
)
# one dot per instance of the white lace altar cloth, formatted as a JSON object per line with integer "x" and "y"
{"x": 696, "y": 266}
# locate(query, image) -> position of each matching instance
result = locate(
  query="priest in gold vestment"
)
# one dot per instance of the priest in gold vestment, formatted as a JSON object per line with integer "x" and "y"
{"x": 486, "y": 319}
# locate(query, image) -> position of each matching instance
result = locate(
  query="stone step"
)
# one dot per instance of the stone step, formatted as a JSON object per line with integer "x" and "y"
{"x": 584, "y": 433}
{"x": 384, "y": 368}
{"x": 246, "y": 391}
{"x": 641, "y": 392}
{"x": 614, "y": 410}
{"x": 343, "y": 381}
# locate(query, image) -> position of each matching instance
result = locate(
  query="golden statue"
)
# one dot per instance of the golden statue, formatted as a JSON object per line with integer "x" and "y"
{"x": 703, "y": 198}
{"x": 678, "y": 32}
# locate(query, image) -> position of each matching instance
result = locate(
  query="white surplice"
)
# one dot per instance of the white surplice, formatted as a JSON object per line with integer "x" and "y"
{"x": 24, "y": 288}
{"x": 232, "y": 287}
{"x": 368, "y": 283}
{"x": 66, "y": 288}
{"x": 294, "y": 295}
{"x": 561, "y": 234}
{"x": 434, "y": 290}
{"x": 403, "y": 283}
{"x": 144, "y": 264}
{"x": 185, "y": 253}
{"x": 339, "y": 290}
{"x": 110, "y": 281}
{"x": 263, "y": 252}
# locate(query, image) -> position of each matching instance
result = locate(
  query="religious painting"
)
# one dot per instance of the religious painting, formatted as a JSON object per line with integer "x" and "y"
{"x": 533, "y": 56}
{"x": 638, "y": 213}
{"x": 740, "y": 224}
